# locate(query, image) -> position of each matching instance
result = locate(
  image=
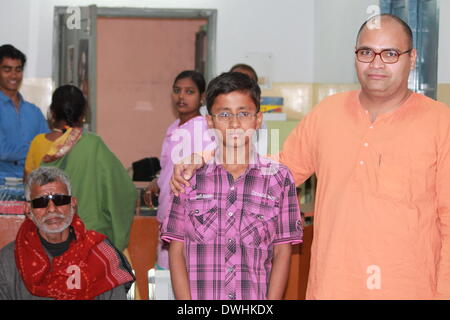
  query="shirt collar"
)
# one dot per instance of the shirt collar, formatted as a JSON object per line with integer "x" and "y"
{"x": 257, "y": 163}
{"x": 196, "y": 118}
{"x": 399, "y": 110}
{"x": 4, "y": 98}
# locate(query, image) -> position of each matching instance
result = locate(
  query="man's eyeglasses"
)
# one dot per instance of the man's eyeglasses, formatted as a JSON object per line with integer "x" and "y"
{"x": 58, "y": 200}
{"x": 367, "y": 55}
{"x": 228, "y": 116}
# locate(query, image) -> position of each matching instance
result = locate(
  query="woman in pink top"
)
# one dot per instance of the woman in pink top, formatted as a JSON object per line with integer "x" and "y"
{"x": 183, "y": 137}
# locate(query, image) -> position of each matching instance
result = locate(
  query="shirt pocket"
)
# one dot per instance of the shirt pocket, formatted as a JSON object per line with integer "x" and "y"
{"x": 258, "y": 224}
{"x": 203, "y": 220}
{"x": 393, "y": 176}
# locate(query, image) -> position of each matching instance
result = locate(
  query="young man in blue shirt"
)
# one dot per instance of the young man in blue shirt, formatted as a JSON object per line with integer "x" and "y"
{"x": 20, "y": 120}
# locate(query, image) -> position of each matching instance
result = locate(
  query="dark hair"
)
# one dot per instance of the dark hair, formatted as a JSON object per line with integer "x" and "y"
{"x": 195, "y": 76}
{"x": 8, "y": 51}
{"x": 245, "y": 67}
{"x": 229, "y": 82}
{"x": 68, "y": 104}
{"x": 402, "y": 23}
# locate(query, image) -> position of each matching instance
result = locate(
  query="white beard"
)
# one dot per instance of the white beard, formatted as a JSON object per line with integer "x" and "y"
{"x": 43, "y": 227}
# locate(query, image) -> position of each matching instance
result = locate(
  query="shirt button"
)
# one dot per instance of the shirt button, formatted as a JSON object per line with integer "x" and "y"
{"x": 231, "y": 296}
{"x": 230, "y": 240}
{"x": 230, "y": 214}
{"x": 230, "y": 269}
{"x": 361, "y": 162}
{"x": 232, "y": 188}
{"x": 366, "y": 144}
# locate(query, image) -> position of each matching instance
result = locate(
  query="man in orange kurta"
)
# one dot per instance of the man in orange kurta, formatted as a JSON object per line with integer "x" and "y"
{"x": 382, "y": 158}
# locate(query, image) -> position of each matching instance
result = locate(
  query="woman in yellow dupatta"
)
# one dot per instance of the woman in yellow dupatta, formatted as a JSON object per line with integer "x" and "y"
{"x": 106, "y": 195}
{"x": 67, "y": 113}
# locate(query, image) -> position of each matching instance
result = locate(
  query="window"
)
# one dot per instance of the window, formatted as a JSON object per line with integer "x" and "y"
{"x": 423, "y": 18}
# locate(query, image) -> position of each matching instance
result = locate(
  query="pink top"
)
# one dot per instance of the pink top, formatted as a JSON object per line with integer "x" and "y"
{"x": 179, "y": 143}
{"x": 229, "y": 228}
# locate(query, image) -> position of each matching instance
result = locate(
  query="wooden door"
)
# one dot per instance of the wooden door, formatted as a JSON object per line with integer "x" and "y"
{"x": 137, "y": 61}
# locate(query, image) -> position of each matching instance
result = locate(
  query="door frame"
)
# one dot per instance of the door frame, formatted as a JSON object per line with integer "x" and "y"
{"x": 107, "y": 12}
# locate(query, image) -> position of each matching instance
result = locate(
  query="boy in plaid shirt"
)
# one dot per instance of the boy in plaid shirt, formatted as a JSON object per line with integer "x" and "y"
{"x": 231, "y": 232}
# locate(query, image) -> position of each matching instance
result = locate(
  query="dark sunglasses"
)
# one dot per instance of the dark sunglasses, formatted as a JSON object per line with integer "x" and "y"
{"x": 58, "y": 200}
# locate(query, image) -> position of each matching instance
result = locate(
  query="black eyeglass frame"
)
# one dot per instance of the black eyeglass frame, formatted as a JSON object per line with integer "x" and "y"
{"x": 58, "y": 200}
{"x": 234, "y": 115}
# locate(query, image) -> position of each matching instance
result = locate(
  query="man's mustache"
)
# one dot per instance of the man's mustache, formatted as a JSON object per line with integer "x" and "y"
{"x": 52, "y": 215}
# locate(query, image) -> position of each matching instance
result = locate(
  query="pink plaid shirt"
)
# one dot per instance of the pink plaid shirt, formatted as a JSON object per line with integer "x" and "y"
{"x": 229, "y": 228}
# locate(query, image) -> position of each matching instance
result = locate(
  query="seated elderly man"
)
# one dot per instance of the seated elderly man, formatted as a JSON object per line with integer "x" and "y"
{"x": 54, "y": 256}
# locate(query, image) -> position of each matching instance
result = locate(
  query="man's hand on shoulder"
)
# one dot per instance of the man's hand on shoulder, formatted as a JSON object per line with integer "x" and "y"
{"x": 183, "y": 172}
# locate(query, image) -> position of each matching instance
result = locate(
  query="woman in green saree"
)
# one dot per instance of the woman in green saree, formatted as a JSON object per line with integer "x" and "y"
{"x": 106, "y": 195}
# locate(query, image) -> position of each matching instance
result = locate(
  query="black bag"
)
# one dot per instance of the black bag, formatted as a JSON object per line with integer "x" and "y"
{"x": 146, "y": 169}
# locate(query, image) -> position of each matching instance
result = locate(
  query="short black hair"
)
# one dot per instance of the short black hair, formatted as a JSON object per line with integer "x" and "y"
{"x": 229, "y": 82}
{"x": 402, "y": 23}
{"x": 9, "y": 51}
{"x": 195, "y": 76}
{"x": 68, "y": 104}
{"x": 245, "y": 67}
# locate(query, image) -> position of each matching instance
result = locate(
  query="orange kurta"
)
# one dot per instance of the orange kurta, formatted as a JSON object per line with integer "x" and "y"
{"x": 382, "y": 215}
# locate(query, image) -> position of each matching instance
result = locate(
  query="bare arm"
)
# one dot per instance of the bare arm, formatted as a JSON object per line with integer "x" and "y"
{"x": 184, "y": 171}
{"x": 280, "y": 271}
{"x": 178, "y": 272}
{"x": 152, "y": 189}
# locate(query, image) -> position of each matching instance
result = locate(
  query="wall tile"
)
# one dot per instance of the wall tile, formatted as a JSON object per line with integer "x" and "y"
{"x": 443, "y": 93}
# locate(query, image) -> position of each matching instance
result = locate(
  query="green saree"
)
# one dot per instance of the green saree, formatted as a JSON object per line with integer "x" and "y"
{"x": 106, "y": 195}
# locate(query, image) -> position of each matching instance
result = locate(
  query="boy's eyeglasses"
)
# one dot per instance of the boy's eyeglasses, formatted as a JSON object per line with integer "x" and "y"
{"x": 228, "y": 116}
{"x": 58, "y": 200}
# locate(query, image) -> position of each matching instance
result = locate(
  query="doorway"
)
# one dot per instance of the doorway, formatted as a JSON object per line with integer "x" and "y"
{"x": 130, "y": 57}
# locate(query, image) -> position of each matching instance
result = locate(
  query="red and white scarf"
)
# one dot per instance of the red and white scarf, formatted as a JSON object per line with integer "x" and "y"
{"x": 61, "y": 146}
{"x": 87, "y": 269}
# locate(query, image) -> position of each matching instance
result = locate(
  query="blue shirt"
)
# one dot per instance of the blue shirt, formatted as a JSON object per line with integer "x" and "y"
{"x": 17, "y": 128}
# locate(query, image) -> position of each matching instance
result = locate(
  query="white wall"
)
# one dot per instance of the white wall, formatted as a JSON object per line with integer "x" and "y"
{"x": 311, "y": 40}
{"x": 283, "y": 28}
{"x": 336, "y": 24}
{"x": 444, "y": 42}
